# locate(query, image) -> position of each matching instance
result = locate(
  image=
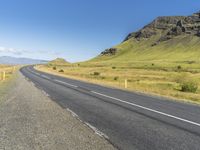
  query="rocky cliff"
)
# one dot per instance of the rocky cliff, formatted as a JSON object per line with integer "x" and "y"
{"x": 169, "y": 27}
{"x": 164, "y": 29}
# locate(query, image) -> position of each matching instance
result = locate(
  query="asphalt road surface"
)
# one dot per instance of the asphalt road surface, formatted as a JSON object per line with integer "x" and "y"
{"x": 128, "y": 120}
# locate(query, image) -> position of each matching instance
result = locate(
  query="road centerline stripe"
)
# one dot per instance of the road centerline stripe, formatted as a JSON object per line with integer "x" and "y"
{"x": 149, "y": 109}
{"x": 65, "y": 83}
{"x": 45, "y": 77}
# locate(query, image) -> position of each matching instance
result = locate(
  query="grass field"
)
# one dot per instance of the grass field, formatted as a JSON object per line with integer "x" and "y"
{"x": 143, "y": 79}
{"x": 150, "y": 69}
{"x": 8, "y": 71}
{"x": 9, "y": 75}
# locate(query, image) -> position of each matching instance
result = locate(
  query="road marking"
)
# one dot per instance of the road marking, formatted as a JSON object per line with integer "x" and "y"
{"x": 54, "y": 80}
{"x": 37, "y": 73}
{"x": 149, "y": 109}
{"x": 45, "y": 77}
{"x": 66, "y": 83}
{"x": 97, "y": 131}
{"x": 32, "y": 71}
{"x": 28, "y": 69}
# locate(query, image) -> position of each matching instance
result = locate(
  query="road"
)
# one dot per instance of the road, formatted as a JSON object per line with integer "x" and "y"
{"x": 128, "y": 120}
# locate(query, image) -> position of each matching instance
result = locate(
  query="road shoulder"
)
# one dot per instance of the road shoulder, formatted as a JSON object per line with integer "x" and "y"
{"x": 31, "y": 120}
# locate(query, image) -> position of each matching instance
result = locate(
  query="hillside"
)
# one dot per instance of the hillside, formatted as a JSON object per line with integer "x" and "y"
{"x": 58, "y": 61}
{"x": 173, "y": 38}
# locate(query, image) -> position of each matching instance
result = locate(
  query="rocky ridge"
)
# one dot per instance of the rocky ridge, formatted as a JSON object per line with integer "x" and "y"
{"x": 169, "y": 27}
{"x": 165, "y": 28}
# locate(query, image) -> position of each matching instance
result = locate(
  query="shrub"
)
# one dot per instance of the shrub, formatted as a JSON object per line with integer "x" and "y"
{"x": 113, "y": 67}
{"x": 152, "y": 64}
{"x": 186, "y": 83}
{"x": 189, "y": 86}
{"x": 103, "y": 78}
{"x": 61, "y": 70}
{"x": 96, "y": 73}
{"x": 54, "y": 68}
{"x": 179, "y": 67}
{"x": 129, "y": 80}
{"x": 116, "y": 78}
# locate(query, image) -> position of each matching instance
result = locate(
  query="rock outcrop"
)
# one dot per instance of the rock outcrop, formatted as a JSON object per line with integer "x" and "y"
{"x": 165, "y": 28}
{"x": 110, "y": 51}
{"x": 169, "y": 27}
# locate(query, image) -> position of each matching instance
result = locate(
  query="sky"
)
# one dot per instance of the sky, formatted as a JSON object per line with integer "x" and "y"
{"x": 77, "y": 30}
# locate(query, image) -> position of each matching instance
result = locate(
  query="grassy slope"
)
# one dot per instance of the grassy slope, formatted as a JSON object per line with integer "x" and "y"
{"x": 181, "y": 48}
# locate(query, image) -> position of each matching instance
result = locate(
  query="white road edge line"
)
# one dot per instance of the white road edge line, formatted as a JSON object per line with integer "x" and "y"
{"x": 101, "y": 134}
{"x": 66, "y": 83}
{"x": 149, "y": 109}
{"x": 96, "y": 131}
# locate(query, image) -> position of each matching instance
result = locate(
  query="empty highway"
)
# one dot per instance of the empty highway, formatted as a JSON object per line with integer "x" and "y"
{"x": 130, "y": 121}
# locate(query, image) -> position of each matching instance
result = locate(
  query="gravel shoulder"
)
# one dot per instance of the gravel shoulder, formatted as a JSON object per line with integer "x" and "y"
{"x": 30, "y": 120}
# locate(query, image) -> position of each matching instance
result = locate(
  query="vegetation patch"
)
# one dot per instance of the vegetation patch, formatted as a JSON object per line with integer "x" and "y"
{"x": 187, "y": 83}
{"x": 116, "y": 78}
{"x": 61, "y": 70}
{"x": 96, "y": 73}
{"x": 189, "y": 86}
{"x": 113, "y": 67}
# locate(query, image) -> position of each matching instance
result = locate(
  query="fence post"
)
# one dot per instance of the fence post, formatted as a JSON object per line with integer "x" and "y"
{"x": 126, "y": 83}
{"x": 4, "y": 75}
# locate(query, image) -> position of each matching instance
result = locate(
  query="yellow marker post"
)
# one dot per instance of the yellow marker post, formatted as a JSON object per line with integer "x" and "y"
{"x": 4, "y": 75}
{"x": 126, "y": 83}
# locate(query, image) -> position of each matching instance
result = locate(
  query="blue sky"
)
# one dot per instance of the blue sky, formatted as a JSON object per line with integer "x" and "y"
{"x": 77, "y": 30}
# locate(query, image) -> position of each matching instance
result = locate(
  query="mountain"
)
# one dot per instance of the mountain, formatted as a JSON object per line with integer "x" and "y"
{"x": 58, "y": 61}
{"x": 20, "y": 61}
{"x": 170, "y": 38}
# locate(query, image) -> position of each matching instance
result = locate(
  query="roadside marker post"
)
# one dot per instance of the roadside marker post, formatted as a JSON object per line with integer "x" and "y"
{"x": 3, "y": 75}
{"x": 126, "y": 83}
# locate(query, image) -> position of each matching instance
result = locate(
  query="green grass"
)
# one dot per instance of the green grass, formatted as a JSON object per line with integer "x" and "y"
{"x": 181, "y": 48}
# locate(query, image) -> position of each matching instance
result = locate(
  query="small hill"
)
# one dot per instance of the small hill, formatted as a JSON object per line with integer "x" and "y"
{"x": 172, "y": 38}
{"x": 20, "y": 61}
{"x": 58, "y": 61}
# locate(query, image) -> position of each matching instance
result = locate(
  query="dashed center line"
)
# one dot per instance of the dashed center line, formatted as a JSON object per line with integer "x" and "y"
{"x": 45, "y": 77}
{"x": 66, "y": 83}
{"x": 149, "y": 109}
{"x": 37, "y": 73}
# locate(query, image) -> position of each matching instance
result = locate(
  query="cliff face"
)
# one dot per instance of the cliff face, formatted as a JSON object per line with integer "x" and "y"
{"x": 169, "y": 27}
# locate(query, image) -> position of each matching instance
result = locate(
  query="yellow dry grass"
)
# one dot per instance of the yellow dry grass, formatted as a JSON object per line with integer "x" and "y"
{"x": 9, "y": 70}
{"x": 151, "y": 81}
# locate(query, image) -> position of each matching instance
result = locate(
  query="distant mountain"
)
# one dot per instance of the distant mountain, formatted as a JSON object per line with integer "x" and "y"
{"x": 58, "y": 61}
{"x": 20, "y": 61}
{"x": 167, "y": 38}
